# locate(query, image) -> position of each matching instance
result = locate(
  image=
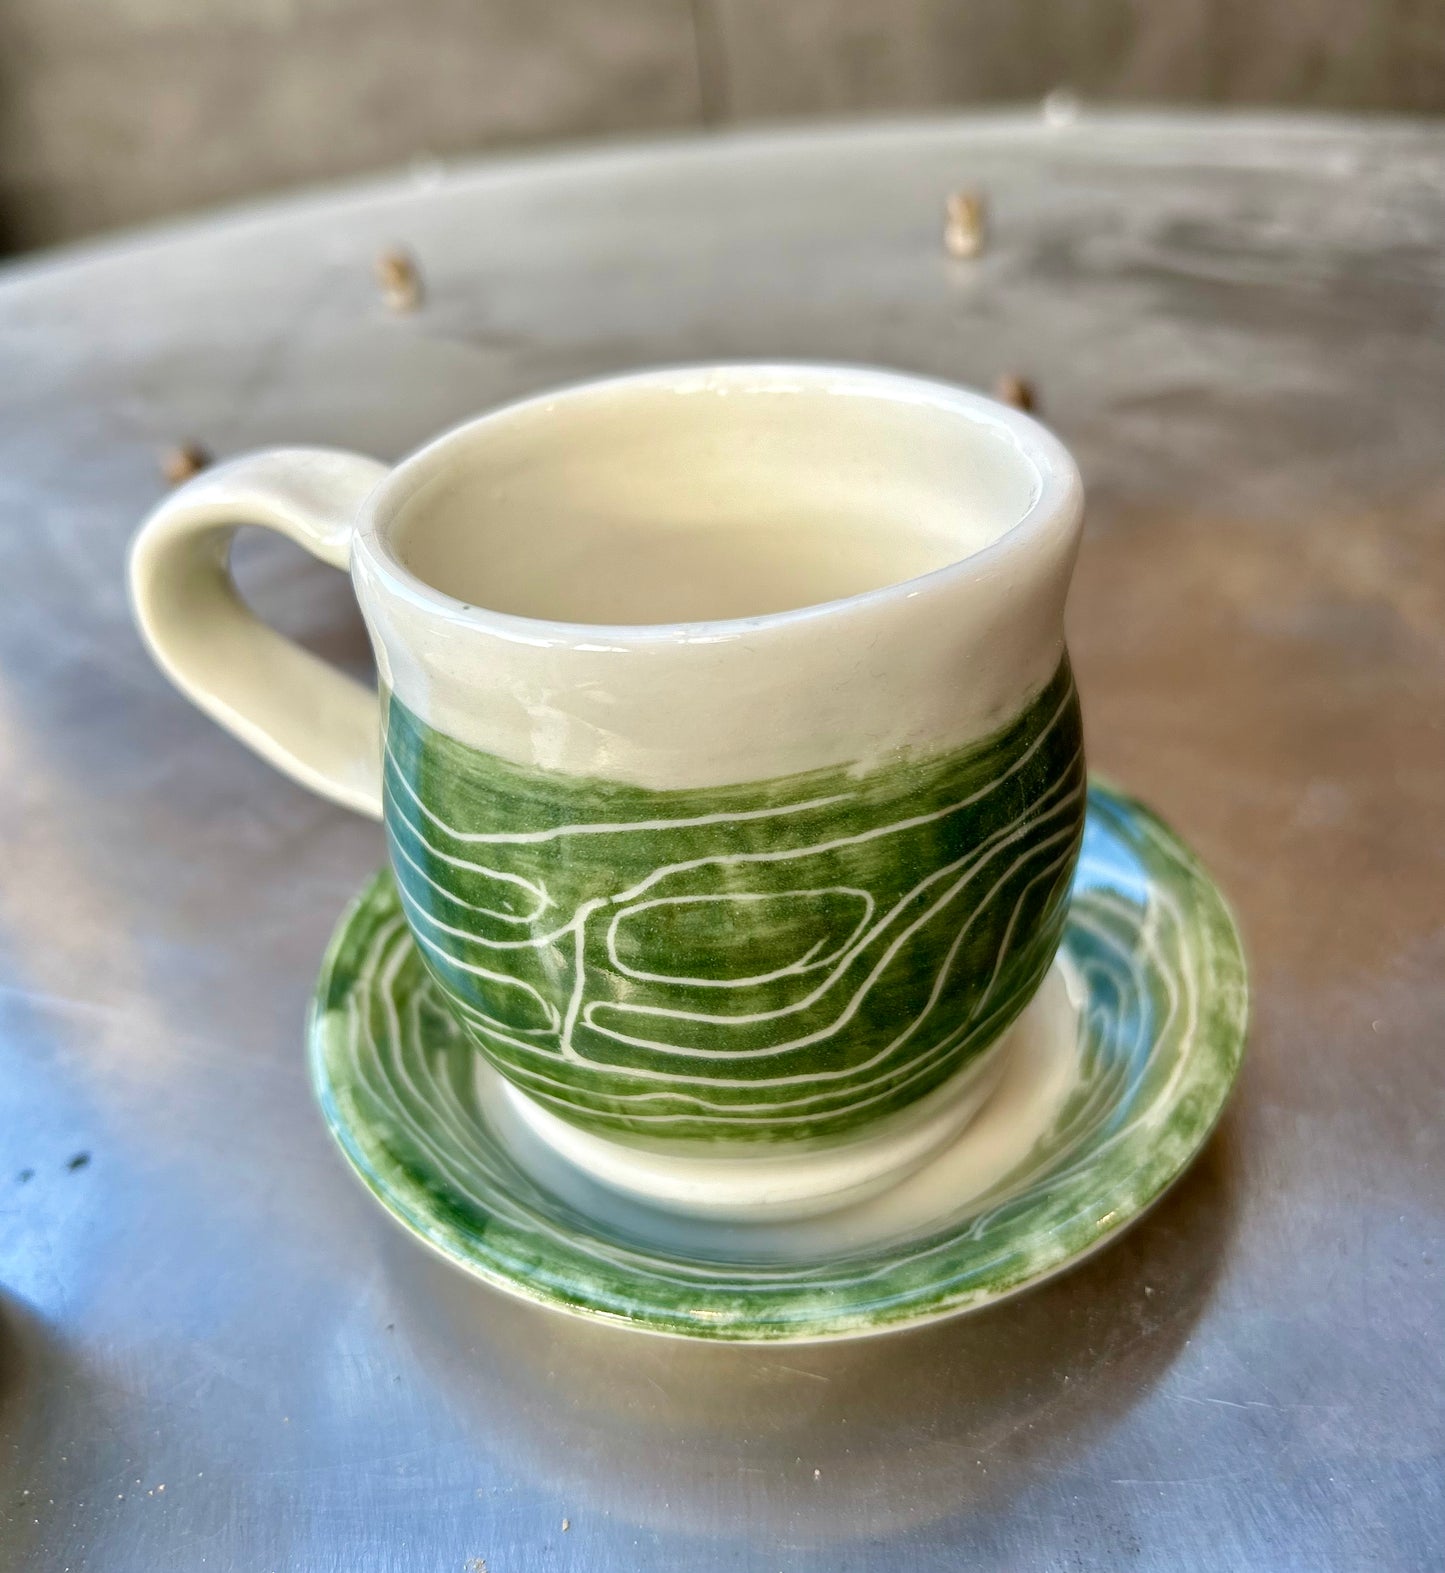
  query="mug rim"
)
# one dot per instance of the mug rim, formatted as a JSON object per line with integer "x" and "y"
{"x": 1055, "y": 511}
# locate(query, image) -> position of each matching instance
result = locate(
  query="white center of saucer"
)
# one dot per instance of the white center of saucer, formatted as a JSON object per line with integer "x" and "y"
{"x": 950, "y": 1146}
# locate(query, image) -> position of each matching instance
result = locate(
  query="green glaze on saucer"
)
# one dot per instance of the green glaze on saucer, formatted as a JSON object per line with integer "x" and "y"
{"x": 774, "y": 960}
{"x": 1157, "y": 1043}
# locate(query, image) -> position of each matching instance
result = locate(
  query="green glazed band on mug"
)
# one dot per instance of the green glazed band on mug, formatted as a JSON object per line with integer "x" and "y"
{"x": 727, "y": 746}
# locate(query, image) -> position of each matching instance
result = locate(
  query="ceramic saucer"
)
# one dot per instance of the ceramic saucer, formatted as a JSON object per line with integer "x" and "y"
{"x": 1118, "y": 1072}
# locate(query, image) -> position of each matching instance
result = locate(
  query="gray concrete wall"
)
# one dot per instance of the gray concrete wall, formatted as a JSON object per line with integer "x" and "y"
{"x": 117, "y": 111}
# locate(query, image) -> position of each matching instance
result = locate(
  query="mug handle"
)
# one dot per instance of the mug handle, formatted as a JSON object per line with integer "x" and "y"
{"x": 309, "y": 719}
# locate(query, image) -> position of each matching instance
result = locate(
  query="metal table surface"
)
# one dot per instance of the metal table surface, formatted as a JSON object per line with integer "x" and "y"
{"x": 218, "y": 1354}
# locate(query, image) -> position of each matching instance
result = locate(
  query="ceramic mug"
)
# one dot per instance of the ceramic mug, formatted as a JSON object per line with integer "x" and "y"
{"x": 726, "y": 743}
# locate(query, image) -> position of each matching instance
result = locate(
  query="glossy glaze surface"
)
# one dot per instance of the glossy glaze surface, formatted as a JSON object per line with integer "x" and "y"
{"x": 648, "y": 930}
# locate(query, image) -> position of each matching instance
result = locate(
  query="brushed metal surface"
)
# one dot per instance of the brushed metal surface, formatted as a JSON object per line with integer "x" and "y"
{"x": 218, "y": 1354}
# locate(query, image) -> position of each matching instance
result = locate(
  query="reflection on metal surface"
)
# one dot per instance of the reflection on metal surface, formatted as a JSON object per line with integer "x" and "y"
{"x": 902, "y": 1431}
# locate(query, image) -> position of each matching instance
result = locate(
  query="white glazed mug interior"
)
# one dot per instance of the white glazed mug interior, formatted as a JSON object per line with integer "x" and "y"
{"x": 711, "y": 496}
